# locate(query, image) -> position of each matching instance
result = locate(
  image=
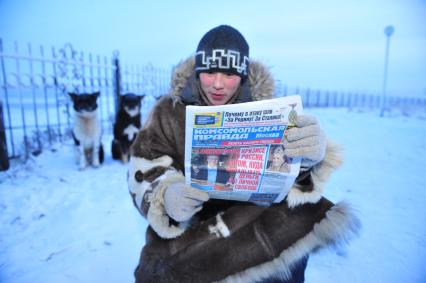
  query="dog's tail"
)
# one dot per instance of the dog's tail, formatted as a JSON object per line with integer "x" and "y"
{"x": 101, "y": 154}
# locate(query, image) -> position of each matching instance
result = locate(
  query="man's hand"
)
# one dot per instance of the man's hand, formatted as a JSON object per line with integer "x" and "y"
{"x": 182, "y": 201}
{"x": 306, "y": 140}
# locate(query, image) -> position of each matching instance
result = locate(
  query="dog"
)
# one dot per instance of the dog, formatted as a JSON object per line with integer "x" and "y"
{"x": 127, "y": 125}
{"x": 87, "y": 130}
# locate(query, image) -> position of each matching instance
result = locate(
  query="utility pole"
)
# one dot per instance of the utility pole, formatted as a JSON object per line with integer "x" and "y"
{"x": 389, "y": 30}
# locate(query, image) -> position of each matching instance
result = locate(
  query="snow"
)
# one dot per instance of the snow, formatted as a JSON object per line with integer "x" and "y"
{"x": 59, "y": 224}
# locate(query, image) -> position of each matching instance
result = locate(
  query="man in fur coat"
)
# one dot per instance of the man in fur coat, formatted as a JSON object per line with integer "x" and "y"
{"x": 192, "y": 238}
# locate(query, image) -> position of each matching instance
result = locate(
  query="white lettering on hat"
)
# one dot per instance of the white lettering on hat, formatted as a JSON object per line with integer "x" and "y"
{"x": 223, "y": 59}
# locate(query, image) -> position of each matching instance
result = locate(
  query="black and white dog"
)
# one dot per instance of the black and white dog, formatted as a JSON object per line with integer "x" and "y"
{"x": 126, "y": 126}
{"x": 87, "y": 130}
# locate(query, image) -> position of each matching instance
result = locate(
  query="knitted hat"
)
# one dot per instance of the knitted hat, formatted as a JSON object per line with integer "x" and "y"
{"x": 223, "y": 49}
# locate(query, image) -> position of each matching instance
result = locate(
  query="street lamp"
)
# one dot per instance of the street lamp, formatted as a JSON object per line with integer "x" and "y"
{"x": 389, "y": 30}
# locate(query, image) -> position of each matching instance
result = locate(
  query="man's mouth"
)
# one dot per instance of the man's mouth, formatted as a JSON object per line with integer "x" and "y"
{"x": 217, "y": 96}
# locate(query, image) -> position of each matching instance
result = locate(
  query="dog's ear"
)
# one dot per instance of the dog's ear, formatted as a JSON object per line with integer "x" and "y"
{"x": 139, "y": 97}
{"x": 72, "y": 95}
{"x": 96, "y": 94}
{"x": 127, "y": 94}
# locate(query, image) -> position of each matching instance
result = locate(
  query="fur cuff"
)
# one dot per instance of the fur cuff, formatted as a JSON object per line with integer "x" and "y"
{"x": 152, "y": 192}
{"x": 320, "y": 174}
{"x": 138, "y": 188}
{"x": 157, "y": 216}
{"x": 340, "y": 225}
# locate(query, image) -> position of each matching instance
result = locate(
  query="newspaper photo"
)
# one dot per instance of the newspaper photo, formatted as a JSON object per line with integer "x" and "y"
{"x": 236, "y": 151}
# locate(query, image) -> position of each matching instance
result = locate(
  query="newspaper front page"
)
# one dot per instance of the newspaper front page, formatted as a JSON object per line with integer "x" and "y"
{"x": 236, "y": 151}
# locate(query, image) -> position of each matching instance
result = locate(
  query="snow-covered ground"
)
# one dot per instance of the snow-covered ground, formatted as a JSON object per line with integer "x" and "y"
{"x": 62, "y": 225}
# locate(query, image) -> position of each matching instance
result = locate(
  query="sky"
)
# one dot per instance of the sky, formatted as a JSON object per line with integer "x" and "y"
{"x": 329, "y": 45}
{"x": 62, "y": 225}
{"x": 59, "y": 224}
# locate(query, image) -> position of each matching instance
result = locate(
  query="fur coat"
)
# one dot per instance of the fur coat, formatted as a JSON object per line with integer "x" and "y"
{"x": 226, "y": 241}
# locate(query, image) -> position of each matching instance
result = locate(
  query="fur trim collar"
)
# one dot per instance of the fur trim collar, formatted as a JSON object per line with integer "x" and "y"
{"x": 259, "y": 86}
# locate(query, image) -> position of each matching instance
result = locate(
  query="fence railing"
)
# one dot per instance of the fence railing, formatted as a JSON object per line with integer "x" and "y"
{"x": 34, "y": 87}
{"x": 320, "y": 98}
{"x": 35, "y": 108}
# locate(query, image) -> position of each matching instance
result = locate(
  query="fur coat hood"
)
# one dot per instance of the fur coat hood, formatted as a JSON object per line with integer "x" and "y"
{"x": 226, "y": 241}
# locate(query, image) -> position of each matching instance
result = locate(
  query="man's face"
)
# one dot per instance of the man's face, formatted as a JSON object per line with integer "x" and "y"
{"x": 277, "y": 159}
{"x": 212, "y": 161}
{"x": 218, "y": 87}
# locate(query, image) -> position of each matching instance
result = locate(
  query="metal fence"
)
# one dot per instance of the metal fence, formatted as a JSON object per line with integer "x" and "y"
{"x": 323, "y": 98}
{"x": 35, "y": 108}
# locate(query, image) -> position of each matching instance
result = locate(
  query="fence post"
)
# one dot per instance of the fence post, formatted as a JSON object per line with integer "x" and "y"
{"x": 318, "y": 102}
{"x": 116, "y": 80}
{"x": 4, "y": 155}
{"x": 308, "y": 94}
{"x": 355, "y": 102}
{"x": 4, "y": 159}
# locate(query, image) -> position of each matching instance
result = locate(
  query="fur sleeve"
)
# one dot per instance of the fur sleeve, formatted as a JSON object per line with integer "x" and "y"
{"x": 311, "y": 188}
{"x": 147, "y": 181}
{"x": 157, "y": 161}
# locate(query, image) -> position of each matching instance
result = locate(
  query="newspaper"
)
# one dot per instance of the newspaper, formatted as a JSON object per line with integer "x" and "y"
{"x": 236, "y": 152}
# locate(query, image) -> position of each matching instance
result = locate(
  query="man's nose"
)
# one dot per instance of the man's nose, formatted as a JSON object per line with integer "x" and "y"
{"x": 218, "y": 81}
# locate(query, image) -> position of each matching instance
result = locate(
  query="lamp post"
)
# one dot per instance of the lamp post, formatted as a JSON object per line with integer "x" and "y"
{"x": 389, "y": 30}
